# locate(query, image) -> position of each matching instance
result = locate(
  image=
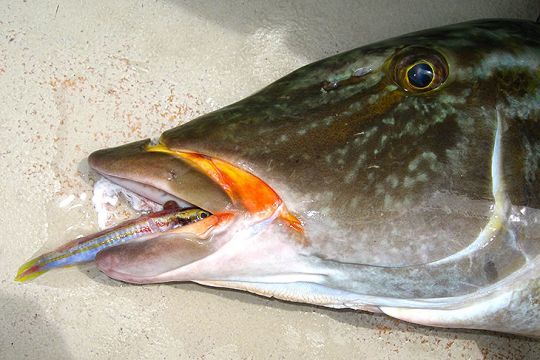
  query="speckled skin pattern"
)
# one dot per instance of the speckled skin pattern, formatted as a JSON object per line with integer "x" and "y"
{"x": 419, "y": 199}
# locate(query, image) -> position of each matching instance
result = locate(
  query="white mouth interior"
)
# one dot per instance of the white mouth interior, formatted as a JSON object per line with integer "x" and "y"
{"x": 116, "y": 199}
{"x": 114, "y": 203}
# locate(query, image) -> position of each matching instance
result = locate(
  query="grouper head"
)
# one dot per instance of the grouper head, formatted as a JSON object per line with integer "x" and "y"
{"x": 401, "y": 177}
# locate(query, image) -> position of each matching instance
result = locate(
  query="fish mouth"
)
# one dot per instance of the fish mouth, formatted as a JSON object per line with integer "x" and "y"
{"x": 238, "y": 200}
{"x": 191, "y": 179}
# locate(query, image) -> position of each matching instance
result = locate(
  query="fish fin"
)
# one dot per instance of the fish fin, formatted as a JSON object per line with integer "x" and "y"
{"x": 151, "y": 261}
{"x": 512, "y": 309}
{"x": 30, "y": 270}
{"x": 45, "y": 262}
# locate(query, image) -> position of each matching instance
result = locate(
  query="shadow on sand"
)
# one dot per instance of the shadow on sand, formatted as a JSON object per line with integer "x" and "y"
{"x": 26, "y": 333}
{"x": 317, "y": 30}
{"x": 492, "y": 345}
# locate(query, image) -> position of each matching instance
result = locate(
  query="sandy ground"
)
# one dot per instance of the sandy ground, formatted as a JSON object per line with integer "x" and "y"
{"x": 76, "y": 76}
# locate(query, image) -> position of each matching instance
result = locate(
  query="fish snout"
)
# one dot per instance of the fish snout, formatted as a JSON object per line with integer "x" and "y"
{"x": 159, "y": 177}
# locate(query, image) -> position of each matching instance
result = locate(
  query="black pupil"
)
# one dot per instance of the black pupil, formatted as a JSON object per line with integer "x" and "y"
{"x": 420, "y": 75}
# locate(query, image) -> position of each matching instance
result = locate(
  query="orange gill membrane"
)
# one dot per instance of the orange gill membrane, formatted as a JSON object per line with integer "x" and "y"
{"x": 243, "y": 188}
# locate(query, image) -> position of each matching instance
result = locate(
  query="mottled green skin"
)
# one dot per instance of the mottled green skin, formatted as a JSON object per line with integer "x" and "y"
{"x": 370, "y": 147}
{"x": 390, "y": 183}
{"x": 449, "y": 132}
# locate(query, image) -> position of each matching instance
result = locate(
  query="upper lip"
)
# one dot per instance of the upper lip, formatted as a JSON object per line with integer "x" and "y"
{"x": 149, "y": 175}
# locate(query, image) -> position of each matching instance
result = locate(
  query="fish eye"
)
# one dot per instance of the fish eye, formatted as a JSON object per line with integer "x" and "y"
{"x": 418, "y": 69}
{"x": 420, "y": 75}
{"x": 204, "y": 215}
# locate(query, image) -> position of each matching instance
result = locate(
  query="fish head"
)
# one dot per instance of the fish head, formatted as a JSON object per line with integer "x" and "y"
{"x": 381, "y": 178}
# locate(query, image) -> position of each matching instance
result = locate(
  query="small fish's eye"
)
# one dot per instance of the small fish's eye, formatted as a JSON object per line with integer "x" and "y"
{"x": 204, "y": 215}
{"x": 420, "y": 75}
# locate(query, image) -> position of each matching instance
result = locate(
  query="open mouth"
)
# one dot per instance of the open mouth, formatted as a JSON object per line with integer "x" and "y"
{"x": 191, "y": 179}
{"x": 156, "y": 172}
{"x": 157, "y": 177}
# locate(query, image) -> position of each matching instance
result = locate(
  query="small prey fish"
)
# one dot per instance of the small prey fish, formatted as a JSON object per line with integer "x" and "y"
{"x": 84, "y": 249}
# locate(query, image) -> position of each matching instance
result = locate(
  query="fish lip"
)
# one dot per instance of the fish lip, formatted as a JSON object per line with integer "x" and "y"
{"x": 163, "y": 176}
{"x": 161, "y": 194}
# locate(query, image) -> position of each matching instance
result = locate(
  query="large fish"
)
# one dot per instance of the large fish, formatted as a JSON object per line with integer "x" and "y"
{"x": 401, "y": 177}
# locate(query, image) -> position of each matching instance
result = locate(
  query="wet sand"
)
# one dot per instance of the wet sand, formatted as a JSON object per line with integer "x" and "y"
{"x": 76, "y": 76}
